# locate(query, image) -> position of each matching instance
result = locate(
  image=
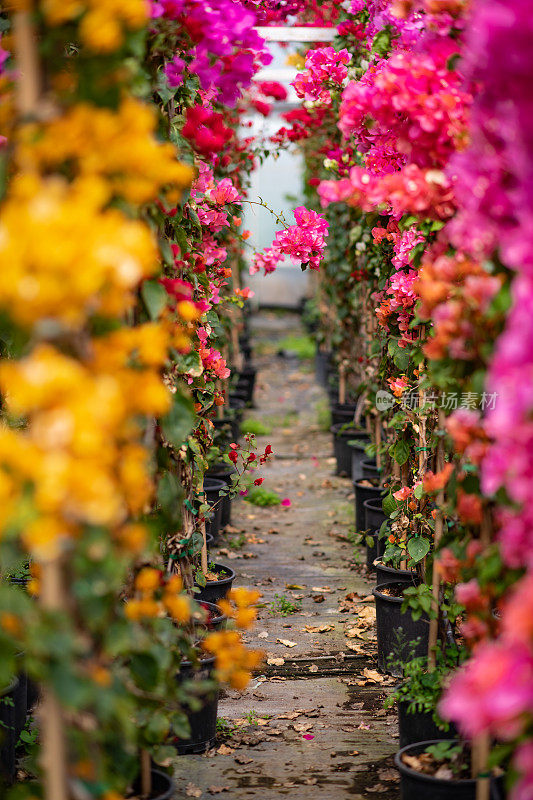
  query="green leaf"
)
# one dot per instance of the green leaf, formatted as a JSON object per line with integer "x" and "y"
{"x": 389, "y": 505}
{"x": 144, "y": 670}
{"x": 179, "y": 421}
{"x": 418, "y": 548}
{"x": 154, "y": 297}
{"x": 400, "y": 451}
{"x": 169, "y": 492}
{"x": 419, "y": 491}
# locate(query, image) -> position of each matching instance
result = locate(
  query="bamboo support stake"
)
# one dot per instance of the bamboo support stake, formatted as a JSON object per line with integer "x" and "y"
{"x": 439, "y": 524}
{"x": 377, "y": 434}
{"x": 204, "y": 549}
{"x": 53, "y": 750}
{"x": 342, "y": 383}
{"x": 28, "y": 82}
{"x": 146, "y": 774}
{"x": 480, "y": 758}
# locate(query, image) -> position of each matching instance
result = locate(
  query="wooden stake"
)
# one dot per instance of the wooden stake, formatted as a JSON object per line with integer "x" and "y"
{"x": 342, "y": 383}
{"x": 480, "y": 760}
{"x": 53, "y": 750}
{"x": 377, "y": 432}
{"x": 146, "y": 774}
{"x": 439, "y": 523}
{"x": 204, "y": 549}
{"x": 28, "y": 82}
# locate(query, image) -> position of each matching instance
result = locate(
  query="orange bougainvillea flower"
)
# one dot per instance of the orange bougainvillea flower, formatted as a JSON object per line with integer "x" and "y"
{"x": 433, "y": 482}
{"x": 398, "y": 385}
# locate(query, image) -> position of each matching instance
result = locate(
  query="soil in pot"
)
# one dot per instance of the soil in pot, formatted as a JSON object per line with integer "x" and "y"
{"x": 342, "y": 450}
{"x": 419, "y": 726}
{"x": 388, "y": 574}
{"x": 162, "y": 786}
{"x": 212, "y": 489}
{"x": 435, "y": 783}
{"x": 8, "y": 731}
{"x": 365, "y": 489}
{"x": 203, "y": 723}
{"x": 218, "y": 584}
{"x": 211, "y": 618}
{"x": 374, "y": 550}
{"x": 370, "y": 469}
{"x": 396, "y": 630}
{"x": 223, "y": 472}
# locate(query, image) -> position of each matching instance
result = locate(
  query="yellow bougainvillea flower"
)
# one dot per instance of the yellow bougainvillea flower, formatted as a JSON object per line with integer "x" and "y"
{"x": 148, "y": 580}
{"x": 79, "y": 261}
{"x": 102, "y": 21}
{"x": 119, "y": 146}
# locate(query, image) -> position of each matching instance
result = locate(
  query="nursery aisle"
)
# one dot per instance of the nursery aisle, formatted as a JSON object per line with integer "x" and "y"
{"x": 313, "y": 725}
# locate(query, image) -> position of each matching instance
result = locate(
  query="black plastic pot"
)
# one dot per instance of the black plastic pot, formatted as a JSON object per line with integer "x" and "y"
{"x": 223, "y": 472}
{"x": 419, "y": 726}
{"x": 246, "y": 382}
{"x": 228, "y": 429}
{"x": 341, "y": 448}
{"x": 214, "y": 620}
{"x": 362, "y": 493}
{"x": 397, "y": 630}
{"x": 203, "y": 723}
{"x": 162, "y": 786}
{"x": 209, "y": 540}
{"x": 212, "y": 489}
{"x": 237, "y": 405}
{"x": 386, "y": 574}
{"x": 369, "y": 468}
{"x": 375, "y": 550}
{"x": 415, "y": 786}
{"x": 214, "y": 591}
{"x": 342, "y": 413}
{"x": 358, "y": 456}
{"x": 374, "y": 516}
{"x": 8, "y": 731}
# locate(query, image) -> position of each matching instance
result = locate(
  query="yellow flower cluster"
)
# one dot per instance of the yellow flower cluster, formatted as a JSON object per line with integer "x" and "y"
{"x": 239, "y": 606}
{"x": 118, "y": 145}
{"x": 234, "y": 663}
{"x": 63, "y": 257}
{"x": 81, "y": 452}
{"x": 158, "y": 597}
{"x": 102, "y": 22}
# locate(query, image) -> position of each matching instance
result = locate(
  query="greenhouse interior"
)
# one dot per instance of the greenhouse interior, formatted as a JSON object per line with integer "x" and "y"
{"x": 266, "y": 394}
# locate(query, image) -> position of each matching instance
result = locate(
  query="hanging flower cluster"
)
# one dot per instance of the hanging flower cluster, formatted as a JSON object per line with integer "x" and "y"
{"x": 304, "y": 243}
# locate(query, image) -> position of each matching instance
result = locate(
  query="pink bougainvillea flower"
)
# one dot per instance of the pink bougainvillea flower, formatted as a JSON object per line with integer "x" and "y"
{"x": 286, "y": 502}
{"x": 308, "y": 736}
{"x": 402, "y": 494}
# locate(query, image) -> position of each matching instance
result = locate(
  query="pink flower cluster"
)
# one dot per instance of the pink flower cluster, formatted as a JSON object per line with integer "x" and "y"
{"x": 411, "y": 190}
{"x": 416, "y": 107}
{"x": 304, "y": 242}
{"x": 227, "y": 51}
{"x": 325, "y": 68}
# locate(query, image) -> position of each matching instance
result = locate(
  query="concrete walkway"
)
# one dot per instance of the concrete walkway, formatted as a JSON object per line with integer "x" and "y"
{"x": 313, "y": 726}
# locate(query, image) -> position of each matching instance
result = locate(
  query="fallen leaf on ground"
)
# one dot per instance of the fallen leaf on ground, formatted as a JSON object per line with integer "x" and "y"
{"x": 262, "y": 635}
{"x": 243, "y": 760}
{"x": 388, "y": 775}
{"x": 289, "y": 715}
{"x": 354, "y": 633}
{"x": 294, "y": 586}
{"x": 373, "y": 675}
{"x": 193, "y": 791}
{"x": 318, "y": 598}
{"x": 224, "y": 750}
{"x": 275, "y": 662}
{"x": 287, "y": 642}
{"x": 217, "y": 789}
{"x": 318, "y": 628}
{"x": 313, "y": 668}
{"x": 322, "y": 589}
{"x": 302, "y": 727}
{"x": 379, "y": 787}
{"x": 355, "y": 647}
